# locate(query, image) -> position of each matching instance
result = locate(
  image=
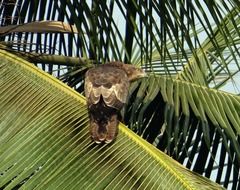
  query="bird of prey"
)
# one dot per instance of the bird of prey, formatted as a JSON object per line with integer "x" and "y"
{"x": 106, "y": 89}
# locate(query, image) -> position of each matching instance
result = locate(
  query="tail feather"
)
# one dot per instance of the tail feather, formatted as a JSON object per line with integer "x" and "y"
{"x": 112, "y": 128}
{"x": 98, "y": 133}
{"x": 104, "y": 131}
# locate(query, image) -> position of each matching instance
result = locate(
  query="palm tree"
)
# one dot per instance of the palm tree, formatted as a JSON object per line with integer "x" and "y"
{"x": 188, "y": 107}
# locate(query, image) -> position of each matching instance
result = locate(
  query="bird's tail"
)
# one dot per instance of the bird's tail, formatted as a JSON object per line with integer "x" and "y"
{"x": 112, "y": 128}
{"x": 104, "y": 131}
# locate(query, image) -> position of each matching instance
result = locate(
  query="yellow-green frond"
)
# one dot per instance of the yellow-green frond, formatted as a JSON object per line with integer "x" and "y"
{"x": 45, "y": 142}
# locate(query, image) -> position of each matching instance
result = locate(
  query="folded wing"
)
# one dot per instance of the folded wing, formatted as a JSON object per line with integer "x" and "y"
{"x": 108, "y": 82}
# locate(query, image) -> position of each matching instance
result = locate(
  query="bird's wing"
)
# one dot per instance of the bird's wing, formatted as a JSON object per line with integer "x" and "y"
{"x": 109, "y": 82}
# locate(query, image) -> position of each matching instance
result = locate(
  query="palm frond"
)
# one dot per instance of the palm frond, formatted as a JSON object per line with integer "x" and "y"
{"x": 189, "y": 122}
{"x": 216, "y": 57}
{"x": 170, "y": 29}
{"x": 39, "y": 27}
{"x": 45, "y": 142}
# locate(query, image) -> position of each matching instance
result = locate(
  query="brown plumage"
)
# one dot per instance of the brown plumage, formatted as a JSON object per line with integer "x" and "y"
{"x": 106, "y": 89}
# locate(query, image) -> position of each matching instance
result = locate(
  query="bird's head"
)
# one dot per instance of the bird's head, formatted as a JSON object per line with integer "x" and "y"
{"x": 132, "y": 71}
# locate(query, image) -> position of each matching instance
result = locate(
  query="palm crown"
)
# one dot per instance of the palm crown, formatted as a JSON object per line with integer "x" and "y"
{"x": 189, "y": 105}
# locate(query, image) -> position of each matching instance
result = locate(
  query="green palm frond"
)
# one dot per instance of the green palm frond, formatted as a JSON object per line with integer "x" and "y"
{"x": 216, "y": 57}
{"x": 188, "y": 121}
{"x": 164, "y": 36}
{"x": 189, "y": 45}
{"x": 45, "y": 141}
{"x": 208, "y": 105}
